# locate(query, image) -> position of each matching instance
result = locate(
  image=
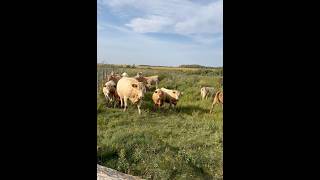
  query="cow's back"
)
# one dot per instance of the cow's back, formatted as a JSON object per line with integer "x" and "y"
{"x": 124, "y": 86}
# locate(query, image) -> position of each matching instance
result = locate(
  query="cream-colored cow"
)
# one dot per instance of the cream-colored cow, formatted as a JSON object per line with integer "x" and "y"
{"x": 171, "y": 96}
{"x": 130, "y": 88}
{"x": 158, "y": 98}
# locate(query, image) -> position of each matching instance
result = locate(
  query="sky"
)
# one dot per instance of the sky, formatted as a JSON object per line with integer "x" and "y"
{"x": 160, "y": 32}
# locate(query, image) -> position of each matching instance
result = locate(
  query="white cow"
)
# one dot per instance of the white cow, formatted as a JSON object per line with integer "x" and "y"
{"x": 151, "y": 80}
{"x": 207, "y": 92}
{"x": 109, "y": 89}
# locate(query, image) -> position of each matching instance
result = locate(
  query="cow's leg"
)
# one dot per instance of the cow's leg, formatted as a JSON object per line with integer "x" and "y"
{"x": 114, "y": 102}
{"x": 118, "y": 104}
{"x": 139, "y": 105}
{"x": 211, "y": 110}
{"x": 107, "y": 100}
{"x": 154, "y": 107}
{"x": 156, "y": 84}
{"x": 215, "y": 100}
{"x": 107, "y": 97}
{"x": 121, "y": 102}
{"x": 125, "y": 99}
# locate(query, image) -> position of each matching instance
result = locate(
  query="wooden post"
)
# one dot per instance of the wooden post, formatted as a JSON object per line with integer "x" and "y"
{"x": 97, "y": 81}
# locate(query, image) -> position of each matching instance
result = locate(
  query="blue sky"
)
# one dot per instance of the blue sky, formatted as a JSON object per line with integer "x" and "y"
{"x": 160, "y": 32}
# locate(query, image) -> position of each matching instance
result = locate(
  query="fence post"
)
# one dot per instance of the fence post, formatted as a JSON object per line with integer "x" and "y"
{"x": 103, "y": 75}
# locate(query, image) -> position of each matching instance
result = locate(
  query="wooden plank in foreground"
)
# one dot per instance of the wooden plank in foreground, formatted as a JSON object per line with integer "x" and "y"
{"x": 104, "y": 173}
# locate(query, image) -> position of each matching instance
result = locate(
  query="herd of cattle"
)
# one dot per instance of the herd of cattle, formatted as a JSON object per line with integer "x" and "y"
{"x": 120, "y": 88}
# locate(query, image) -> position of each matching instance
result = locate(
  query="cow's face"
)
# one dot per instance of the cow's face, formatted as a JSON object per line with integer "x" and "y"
{"x": 140, "y": 89}
{"x": 148, "y": 85}
{"x": 124, "y": 74}
{"x": 176, "y": 94}
{"x": 159, "y": 92}
{"x": 204, "y": 89}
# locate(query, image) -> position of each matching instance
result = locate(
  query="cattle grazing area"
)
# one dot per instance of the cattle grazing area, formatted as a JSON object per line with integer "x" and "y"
{"x": 183, "y": 141}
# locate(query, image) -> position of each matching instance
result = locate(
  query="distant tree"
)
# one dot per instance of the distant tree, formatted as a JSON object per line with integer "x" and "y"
{"x": 191, "y": 66}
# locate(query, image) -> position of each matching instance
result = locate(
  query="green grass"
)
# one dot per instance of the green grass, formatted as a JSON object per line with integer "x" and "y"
{"x": 181, "y": 143}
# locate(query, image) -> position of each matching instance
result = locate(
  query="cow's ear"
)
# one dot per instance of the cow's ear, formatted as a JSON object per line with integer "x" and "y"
{"x": 134, "y": 85}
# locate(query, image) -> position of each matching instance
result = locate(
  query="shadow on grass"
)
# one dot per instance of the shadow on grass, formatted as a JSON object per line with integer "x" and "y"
{"x": 149, "y": 106}
{"x": 187, "y": 109}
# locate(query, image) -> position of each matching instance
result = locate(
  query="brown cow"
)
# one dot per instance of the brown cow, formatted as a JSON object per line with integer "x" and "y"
{"x": 217, "y": 99}
{"x": 158, "y": 98}
{"x": 114, "y": 77}
{"x": 148, "y": 81}
{"x": 139, "y": 77}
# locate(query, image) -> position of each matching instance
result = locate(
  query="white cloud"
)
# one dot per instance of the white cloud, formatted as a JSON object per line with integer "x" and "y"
{"x": 150, "y": 24}
{"x": 172, "y": 16}
{"x": 122, "y": 40}
{"x": 207, "y": 19}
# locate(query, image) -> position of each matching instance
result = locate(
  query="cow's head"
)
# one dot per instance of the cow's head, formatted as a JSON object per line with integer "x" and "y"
{"x": 159, "y": 92}
{"x": 176, "y": 94}
{"x": 140, "y": 89}
{"x": 148, "y": 86}
{"x": 203, "y": 89}
{"x": 125, "y": 74}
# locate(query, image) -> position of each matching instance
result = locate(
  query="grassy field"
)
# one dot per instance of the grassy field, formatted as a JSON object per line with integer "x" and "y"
{"x": 181, "y": 143}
